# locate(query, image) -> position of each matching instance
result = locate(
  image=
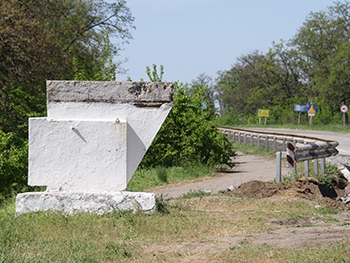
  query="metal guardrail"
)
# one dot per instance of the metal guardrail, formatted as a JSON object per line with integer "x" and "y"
{"x": 315, "y": 150}
{"x": 306, "y": 148}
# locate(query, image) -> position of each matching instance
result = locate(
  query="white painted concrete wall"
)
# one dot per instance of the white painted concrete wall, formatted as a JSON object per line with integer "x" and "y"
{"x": 73, "y": 155}
{"x": 95, "y": 134}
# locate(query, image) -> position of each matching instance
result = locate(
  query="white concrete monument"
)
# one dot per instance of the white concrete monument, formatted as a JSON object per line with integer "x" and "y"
{"x": 90, "y": 144}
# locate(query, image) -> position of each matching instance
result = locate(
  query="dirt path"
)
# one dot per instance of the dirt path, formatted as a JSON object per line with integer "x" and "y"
{"x": 293, "y": 238}
{"x": 247, "y": 168}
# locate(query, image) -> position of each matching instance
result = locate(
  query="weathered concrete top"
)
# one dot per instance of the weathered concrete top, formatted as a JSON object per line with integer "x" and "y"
{"x": 140, "y": 94}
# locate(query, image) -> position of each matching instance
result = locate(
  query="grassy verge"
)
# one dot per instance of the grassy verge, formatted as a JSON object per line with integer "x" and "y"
{"x": 248, "y": 149}
{"x": 148, "y": 178}
{"x": 136, "y": 237}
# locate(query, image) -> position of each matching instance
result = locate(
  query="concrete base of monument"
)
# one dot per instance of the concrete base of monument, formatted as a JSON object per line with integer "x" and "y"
{"x": 93, "y": 202}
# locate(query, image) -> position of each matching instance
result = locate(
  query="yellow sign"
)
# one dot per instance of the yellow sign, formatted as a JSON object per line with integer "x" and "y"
{"x": 263, "y": 113}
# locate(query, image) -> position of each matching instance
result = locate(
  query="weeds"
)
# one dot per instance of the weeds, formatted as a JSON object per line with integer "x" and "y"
{"x": 161, "y": 206}
{"x": 162, "y": 174}
{"x": 199, "y": 193}
{"x": 326, "y": 210}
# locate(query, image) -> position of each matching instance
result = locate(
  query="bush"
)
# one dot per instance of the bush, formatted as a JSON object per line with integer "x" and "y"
{"x": 188, "y": 135}
{"x": 13, "y": 164}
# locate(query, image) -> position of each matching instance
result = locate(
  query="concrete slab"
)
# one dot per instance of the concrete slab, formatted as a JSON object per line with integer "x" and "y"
{"x": 95, "y": 202}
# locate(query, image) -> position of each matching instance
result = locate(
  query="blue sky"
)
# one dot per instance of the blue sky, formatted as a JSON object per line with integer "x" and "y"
{"x": 190, "y": 37}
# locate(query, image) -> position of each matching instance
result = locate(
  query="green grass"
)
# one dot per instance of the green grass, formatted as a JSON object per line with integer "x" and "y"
{"x": 192, "y": 194}
{"x": 138, "y": 237}
{"x": 145, "y": 179}
{"x": 248, "y": 149}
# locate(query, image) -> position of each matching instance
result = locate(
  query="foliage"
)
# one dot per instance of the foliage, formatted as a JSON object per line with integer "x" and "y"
{"x": 50, "y": 39}
{"x": 188, "y": 135}
{"x": 105, "y": 70}
{"x": 13, "y": 164}
{"x": 43, "y": 40}
{"x": 206, "y": 83}
{"x": 153, "y": 75}
{"x": 162, "y": 174}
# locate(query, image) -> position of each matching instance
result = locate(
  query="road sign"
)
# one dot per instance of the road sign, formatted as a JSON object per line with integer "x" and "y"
{"x": 344, "y": 108}
{"x": 311, "y": 111}
{"x": 263, "y": 113}
{"x": 304, "y": 108}
{"x": 301, "y": 108}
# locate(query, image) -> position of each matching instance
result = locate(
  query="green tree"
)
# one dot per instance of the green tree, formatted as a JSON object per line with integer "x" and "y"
{"x": 105, "y": 70}
{"x": 209, "y": 92}
{"x": 312, "y": 67}
{"x": 49, "y": 39}
{"x": 13, "y": 164}
{"x": 247, "y": 86}
{"x": 42, "y": 40}
{"x": 323, "y": 46}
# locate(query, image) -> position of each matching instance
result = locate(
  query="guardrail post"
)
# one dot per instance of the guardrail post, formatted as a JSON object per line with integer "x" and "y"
{"x": 306, "y": 168}
{"x": 278, "y": 167}
{"x": 284, "y": 145}
{"x": 294, "y": 172}
{"x": 267, "y": 143}
{"x": 323, "y": 165}
{"x": 239, "y": 138}
{"x": 251, "y": 139}
{"x": 259, "y": 136}
{"x": 316, "y": 165}
{"x": 274, "y": 143}
{"x": 245, "y": 138}
{"x": 306, "y": 165}
{"x": 227, "y": 133}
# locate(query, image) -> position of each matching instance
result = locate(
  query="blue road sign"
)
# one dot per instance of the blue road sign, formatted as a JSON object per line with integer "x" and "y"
{"x": 304, "y": 108}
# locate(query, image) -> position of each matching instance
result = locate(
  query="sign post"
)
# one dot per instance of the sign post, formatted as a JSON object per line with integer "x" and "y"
{"x": 263, "y": 113}
{"x": 344, "y": 110}
{"x": 311, "y": 112}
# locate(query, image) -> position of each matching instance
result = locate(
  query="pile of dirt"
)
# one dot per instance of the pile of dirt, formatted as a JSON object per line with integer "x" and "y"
{"x": 308, "y": 188}
{"x": 257, "y": 189}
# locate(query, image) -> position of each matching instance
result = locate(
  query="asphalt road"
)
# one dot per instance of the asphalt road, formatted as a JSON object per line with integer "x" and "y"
{"x": 342, "y": 138}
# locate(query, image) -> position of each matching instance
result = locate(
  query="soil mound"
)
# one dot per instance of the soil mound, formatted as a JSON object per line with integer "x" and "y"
{"x": 258, "y": 189}
{"x": 308, "y": 188}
